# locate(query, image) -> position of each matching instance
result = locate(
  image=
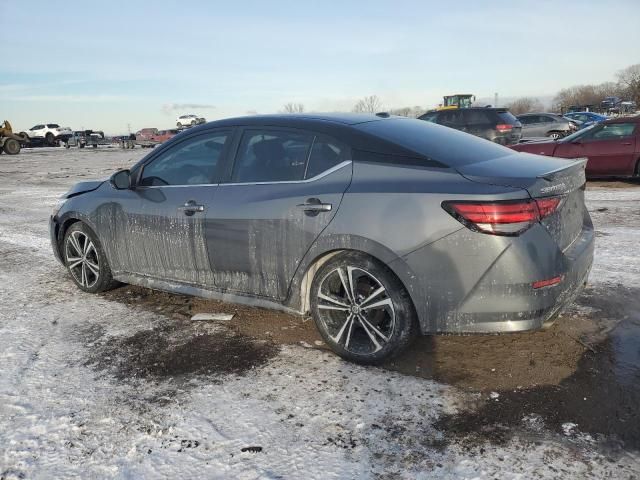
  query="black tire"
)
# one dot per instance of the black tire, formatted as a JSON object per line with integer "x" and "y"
{"x": 395, "y": 322}
{"x": 50, "y": 139}
{"x": 11, "y": 146}
{"x": 84, "y": 276}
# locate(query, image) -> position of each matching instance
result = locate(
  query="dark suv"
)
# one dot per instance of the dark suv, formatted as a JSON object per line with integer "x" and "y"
{"x": 495, "y": 124}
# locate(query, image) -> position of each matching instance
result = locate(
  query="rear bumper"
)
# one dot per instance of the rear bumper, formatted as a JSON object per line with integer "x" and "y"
{"x": 474, "y": 283}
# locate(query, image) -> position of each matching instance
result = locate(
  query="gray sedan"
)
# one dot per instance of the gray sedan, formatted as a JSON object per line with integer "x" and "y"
{"x": 545, "y": 125}
{"x": 379, "y": 227}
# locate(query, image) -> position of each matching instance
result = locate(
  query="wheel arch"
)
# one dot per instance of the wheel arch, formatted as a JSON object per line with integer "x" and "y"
{"x": 300, "y": 287}
{"x": 66, "y": 221}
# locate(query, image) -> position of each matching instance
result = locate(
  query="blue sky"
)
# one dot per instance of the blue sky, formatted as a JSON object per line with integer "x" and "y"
{"x": 105, "y": 65}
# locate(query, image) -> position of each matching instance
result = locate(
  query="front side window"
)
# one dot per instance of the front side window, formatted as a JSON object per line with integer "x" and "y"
{"x": 191, "y": 162}
{"x": 53, "y": 125}
{"x": 614, "y": 130}
{"x": 325, "y": 154}
{"x": 37, "y": 127}
{"x": 271, "y": 156}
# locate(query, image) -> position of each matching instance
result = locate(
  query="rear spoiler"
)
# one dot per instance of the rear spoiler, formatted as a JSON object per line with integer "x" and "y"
{"x": 550, "y": 174}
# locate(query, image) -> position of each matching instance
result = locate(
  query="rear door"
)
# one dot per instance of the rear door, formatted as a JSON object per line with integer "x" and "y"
{"x": 282, "y": 190}
{"x": 479, "y": 122}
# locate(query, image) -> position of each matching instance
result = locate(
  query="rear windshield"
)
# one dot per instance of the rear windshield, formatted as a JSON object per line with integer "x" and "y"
{"x": 443, "y": 144}
{"x": 507, "y": 117}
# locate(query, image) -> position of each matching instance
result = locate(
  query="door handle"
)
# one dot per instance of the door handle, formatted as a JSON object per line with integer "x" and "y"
{"x": 315, "y": 206}
{"x": 626, "y": 143}
{"x": 190, "y": 207}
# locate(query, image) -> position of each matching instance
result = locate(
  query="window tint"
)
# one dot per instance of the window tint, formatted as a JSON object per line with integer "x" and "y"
{"x": 37, "y": 127}
{"x": 477, "y": 117}
{"x": 325, "y": 153}
{"x": 271, "y": 156}
{"x": 451, "y": 118}
{"x": 446, "y": 145}
{"x": 192, "y": 162}
{"x": 525, "y": 119}
{"x": 429, "y": 117}
{"x": 507, "y": 117}
{"x": 614, "y": 130}
{"x": 53, "y": 125}
{"x": 546, "y": 119}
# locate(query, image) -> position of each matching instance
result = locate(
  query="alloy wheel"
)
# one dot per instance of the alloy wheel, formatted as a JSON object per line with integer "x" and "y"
{"x": 82, "y": 259}
{"x": 356, "y": 310}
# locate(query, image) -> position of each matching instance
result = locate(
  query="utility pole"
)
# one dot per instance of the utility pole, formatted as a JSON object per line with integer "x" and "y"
{"x": 129, "y": 126}
{"x": 495, "y": 99}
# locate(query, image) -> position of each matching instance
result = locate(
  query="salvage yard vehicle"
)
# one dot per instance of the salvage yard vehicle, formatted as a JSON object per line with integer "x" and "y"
{"x": 495, "y": 124}
{"x": 379, "y": 226}
{"x": 11, "y": 143}
{"x": 82, "y": 138}
{"x": 587, "y": 118}
{"x": 50, "y": 132}
{"x": 189, "y": 121}
{"x": 612, "y": 147}
{"x": 545, "y": 125}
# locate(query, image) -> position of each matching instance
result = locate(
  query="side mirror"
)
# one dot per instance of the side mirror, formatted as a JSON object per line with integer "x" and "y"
{"x": 121, "y": 180}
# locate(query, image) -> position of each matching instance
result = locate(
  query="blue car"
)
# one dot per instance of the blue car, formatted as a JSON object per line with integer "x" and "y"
{"x": 587, "y": 118}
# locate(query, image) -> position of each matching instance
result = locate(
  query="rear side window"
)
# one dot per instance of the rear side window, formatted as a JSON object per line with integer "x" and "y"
{"x": 445, "y": 145}
{"x": 271, "y": 156}
{"x": 451, "y": 118}
{"x": 325, "y": 154}
{"x": 429, "y": 116}
{"x": 191, "y": 162}
{"x": 508, "y": 118}
{"x": 53, "y": 125}
{"x": 478, "y": 117}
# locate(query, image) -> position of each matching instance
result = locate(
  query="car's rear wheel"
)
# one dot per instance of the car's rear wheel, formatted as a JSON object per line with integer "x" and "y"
{"x": 554, "y": 135}
{"x": 50, "y": 139}
{"x": 85, "y": 259}
{"x": 361, "y": 309}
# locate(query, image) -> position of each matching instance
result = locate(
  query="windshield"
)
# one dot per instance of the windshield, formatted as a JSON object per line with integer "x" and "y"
{"x": 577, "y": 135}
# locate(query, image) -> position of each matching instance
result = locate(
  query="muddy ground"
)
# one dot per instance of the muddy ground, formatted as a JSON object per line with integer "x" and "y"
{"x": 579, "y": 377}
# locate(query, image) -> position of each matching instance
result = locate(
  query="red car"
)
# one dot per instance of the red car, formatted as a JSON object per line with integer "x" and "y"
{"x": 612, "y": 147}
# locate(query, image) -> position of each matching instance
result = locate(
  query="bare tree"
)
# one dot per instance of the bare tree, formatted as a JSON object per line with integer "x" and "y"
{"x": 629, "y": 81}
{"x": 293, "y": 108}
{"x": 586, "y": 94}
{"x": 370, "y": 104}
{"x": 525, "y": 105}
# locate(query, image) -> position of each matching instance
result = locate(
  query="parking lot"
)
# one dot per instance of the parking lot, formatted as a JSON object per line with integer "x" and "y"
{"x": 125, "y": 383}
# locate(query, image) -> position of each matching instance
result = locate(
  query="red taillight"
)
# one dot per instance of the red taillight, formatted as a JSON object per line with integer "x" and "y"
{"x": 504, "y": 127}
{"x": 502, "y": 218}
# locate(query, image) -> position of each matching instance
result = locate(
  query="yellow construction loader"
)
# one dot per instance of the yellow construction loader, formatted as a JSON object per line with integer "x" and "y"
{"x": 10, "y": 143}
{"x": 459, "y": 100}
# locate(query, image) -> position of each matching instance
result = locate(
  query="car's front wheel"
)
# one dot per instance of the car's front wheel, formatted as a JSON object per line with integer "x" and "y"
{"x": 85, "y": 259}
{"x": 361, "y": 309}
{"x": 555, "y": 135}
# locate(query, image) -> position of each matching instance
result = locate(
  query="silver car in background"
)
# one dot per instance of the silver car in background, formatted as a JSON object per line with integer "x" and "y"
{"x": 380, "y": 227}
{"x": 545, "y": 125}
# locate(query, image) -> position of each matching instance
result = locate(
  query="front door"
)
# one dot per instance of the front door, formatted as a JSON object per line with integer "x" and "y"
{"x": 284, "y": 188}
{"x": 165, "y": 221}
{"x": 610, "y": 149}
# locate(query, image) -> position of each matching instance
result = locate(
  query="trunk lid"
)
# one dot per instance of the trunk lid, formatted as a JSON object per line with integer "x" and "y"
{"x": 541, "y": 177}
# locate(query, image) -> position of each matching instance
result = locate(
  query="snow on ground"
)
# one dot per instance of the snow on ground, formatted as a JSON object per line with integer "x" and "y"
{"x": 65, "y": 413}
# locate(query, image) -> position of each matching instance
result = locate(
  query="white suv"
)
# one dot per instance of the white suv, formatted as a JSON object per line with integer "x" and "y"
{"x": 50, "y": 132}
{"x": 189, "y": 120}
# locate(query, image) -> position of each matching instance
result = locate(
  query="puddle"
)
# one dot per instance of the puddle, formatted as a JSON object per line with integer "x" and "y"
{"x": 602, "y": 396}
{"x": 179, "y": 349}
